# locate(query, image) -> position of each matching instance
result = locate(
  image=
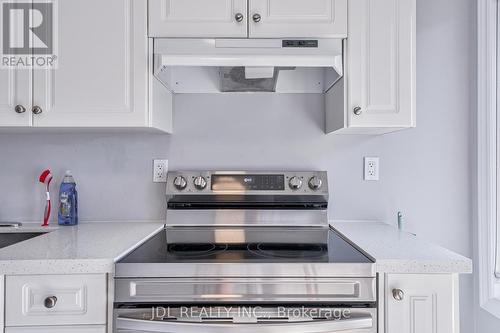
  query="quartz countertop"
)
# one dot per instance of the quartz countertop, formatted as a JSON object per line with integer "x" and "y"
{"x": 397, "y": 251}
{"x": 95, "y": 247}
{"x": 86, "y": 248}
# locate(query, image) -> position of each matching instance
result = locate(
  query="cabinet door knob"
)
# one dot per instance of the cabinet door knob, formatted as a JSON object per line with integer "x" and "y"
{"x": 398, "y": 294}
{"x": 37, "y": 110}
{"x": 256, "y": 18}
{"x": 239, "y": 17}
{"x": 50, "y": 302}
{"x": 357, "y": 110}
{"x": 20, "y": 109}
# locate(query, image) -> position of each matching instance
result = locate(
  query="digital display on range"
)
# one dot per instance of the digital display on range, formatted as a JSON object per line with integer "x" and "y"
{"x": 299, "y": 43}
{"x": 248, "y": 182}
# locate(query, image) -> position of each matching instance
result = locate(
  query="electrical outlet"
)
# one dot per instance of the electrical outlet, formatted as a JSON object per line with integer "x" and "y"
{"x": 160, "y": 169}
{"x": 372, "y": 166}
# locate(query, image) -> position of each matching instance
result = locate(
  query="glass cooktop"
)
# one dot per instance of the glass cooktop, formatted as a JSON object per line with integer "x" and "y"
{"x": 246, "y": 245}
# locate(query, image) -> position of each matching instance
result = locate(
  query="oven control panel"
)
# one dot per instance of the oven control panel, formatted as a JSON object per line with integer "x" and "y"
{"x": 221, "y": 182}
{"x": 247, "y": 182}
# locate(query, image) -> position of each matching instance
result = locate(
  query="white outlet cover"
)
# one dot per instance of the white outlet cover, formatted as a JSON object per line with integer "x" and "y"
{"x": 372, "y": 168}
{"x": 160, "y": 170}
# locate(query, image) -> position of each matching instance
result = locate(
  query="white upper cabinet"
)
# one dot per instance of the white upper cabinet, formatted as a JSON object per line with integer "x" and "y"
{"x": 381, "y": 64}
{"x": 15, "y": 97}
{"x": 15, "y": 90}
{"x": 233, "y": 18}
{"x": 102, "y": 74}
{"x": 418, "y": 303}
{"x": 298, "y": 18}
{"x": 198, "y": 18}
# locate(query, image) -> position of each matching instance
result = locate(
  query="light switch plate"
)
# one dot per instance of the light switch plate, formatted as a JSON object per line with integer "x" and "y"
{"x": 372, "y": 166}
{"x": 160, "y": 170}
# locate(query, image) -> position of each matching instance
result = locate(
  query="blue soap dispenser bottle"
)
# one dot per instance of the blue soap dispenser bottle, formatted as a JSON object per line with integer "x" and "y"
{"x": 68, "y": 201}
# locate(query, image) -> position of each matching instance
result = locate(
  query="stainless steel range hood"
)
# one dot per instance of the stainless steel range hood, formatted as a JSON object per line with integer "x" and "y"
{"x": 248, "y": 65}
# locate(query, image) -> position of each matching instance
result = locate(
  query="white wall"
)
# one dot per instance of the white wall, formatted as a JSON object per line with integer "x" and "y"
{"x": 425, "y": 172}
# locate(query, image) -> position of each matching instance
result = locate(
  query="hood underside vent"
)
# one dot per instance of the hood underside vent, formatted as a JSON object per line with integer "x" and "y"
{"x": 250, "y": 79}
{"x": 231, "y": 65}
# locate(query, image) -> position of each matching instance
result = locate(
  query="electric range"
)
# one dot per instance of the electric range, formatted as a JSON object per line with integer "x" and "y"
{"x": 246, "y": 239}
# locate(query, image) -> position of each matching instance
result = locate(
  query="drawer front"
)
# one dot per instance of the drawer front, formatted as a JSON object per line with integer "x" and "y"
{"x": 245, "y": 290}
{"x": 57, "y": 329}
{"x": 55, "y": 300}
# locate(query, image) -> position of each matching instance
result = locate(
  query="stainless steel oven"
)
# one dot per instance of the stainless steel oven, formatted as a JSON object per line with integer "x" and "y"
{"x": 246, "y": 252}
{"x": 249, "y": 320}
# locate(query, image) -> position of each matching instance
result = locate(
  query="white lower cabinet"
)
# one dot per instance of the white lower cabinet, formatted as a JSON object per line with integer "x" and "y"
{"x": 410, "y": 303}
{"x": 57, "y": 329}
{"x": 418, "y": 303}
{"x": 56, "y": 300}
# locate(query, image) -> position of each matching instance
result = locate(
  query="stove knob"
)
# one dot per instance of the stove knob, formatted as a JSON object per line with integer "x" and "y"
{"x": 295, "y": 183}
{"x": 180, "y": 183}
{"x": 315, "y": 183}
{"x": 200, "y": 183}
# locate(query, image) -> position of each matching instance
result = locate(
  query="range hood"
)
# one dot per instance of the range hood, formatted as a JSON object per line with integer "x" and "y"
{"x": 248, "y": 65}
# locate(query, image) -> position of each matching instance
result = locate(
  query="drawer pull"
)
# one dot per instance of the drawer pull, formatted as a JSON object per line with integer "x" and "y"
{"x": 398, "y": 294}
{"x": 20, "y": 109}
{"x": 239, "y": 17}
{"x": 37, "y": 110}
{"x": 50, "y": 302}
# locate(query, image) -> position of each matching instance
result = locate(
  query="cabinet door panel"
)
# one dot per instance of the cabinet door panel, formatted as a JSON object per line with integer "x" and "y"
{"x": 197, "y": 18}
{"x": 429, "y": 304}
{"x": 298, "y": 18}
{"x": 15, "y": 89}
{"x": 381, "y": 63}
{"x": 102, "y": 74}
{"x": 79, "y": 300}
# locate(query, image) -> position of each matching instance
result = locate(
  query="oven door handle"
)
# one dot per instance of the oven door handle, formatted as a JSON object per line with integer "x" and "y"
{"x": 322, "y": 326}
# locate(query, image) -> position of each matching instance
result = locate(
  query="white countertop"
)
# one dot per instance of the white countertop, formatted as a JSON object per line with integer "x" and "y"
{"x": 86, "y": 248}
{"x": 94, "y": 247}
{"x": 396, "y": 251}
